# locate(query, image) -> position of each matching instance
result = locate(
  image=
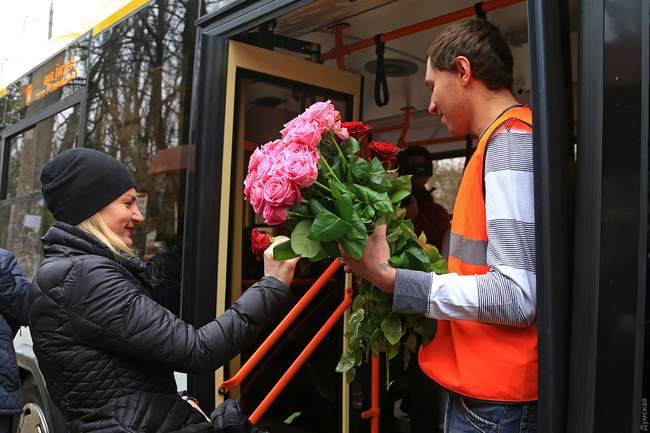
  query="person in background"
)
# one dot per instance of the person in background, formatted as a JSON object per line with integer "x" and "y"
{"x": 484, "y": 352}
{"x": 428, "y": 216}
{"x": 14, "y": 305}
{"x": 108, "y": 350}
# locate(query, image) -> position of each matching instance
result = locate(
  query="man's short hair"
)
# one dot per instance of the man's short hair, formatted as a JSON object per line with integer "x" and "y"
{"x": 483, "y": 45}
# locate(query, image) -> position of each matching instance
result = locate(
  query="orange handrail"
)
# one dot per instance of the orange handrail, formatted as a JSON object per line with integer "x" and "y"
{"x": 302, "y": 358}
{"x": 374, "y": 411}
{"x": 270, "y": 341}
{"x": 417, "y": 27}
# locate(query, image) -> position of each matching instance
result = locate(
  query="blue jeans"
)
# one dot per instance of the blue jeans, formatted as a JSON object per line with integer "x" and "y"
{"x": 466, "y": 415}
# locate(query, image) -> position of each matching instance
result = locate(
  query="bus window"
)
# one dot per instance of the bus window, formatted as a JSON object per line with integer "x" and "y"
{"x": 447, "y": 174}
{"x": 30, "y": 150}
{"x": 138, "y": 112}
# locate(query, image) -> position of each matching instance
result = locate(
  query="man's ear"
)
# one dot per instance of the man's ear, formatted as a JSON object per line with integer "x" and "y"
{"x": 464, "y": 70}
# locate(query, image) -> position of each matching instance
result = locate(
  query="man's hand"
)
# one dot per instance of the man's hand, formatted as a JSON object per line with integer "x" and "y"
{"x": 373, "y": 266}
{"x": 283, "y": 270}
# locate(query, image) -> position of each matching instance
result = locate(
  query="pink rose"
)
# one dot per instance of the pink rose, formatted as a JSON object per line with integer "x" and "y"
{"x": 274, "y": 215}
{"x": 301, "y": 168}
{"x": 257, "y": 157}
{"x": 251, "y": 177}
{"x": 280, "y": 191}
{"x": 256, "y": 196}
{"x": 340, "y": 132}
{"x": 306, "y": 133}
{"x": 323, "y": 113}
{"x": 272, "y": 147}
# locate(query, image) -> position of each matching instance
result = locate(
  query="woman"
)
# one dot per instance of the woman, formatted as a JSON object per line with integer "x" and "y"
{"x": 106, "y": 348}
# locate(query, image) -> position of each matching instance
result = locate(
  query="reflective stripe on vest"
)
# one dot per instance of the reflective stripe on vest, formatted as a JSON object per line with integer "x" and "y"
{"x": 487, "y": 362}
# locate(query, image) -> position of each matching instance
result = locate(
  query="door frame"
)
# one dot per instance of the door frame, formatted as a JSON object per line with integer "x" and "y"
{"x": 207, "y": 136}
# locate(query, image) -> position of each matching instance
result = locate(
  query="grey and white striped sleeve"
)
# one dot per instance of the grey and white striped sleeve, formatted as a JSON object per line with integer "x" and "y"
{"x": 506, "y": 295}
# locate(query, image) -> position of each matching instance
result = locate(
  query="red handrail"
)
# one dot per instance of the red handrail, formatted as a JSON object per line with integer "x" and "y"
{"x": 417, "y": 27}
{"x": 302, "y": 358}
{"x": 270, "y": 341}
{"x": 374, "y": 411}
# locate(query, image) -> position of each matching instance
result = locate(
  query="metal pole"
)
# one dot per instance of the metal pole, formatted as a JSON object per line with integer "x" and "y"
{"x": 554, "y": 166}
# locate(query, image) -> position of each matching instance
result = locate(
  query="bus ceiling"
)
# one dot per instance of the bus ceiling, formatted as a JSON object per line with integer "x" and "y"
{"x": 395, "y": 102}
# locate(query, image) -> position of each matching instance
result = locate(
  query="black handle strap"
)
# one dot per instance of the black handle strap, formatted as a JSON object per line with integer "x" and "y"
{"x": 480, "y": 12}
{"x": 381, "y": 85}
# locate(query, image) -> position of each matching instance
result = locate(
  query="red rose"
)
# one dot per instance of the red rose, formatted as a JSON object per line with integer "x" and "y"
{"x": 259, "y": 242}
{"x": 385, "y": 152}
{"x": 358, "y": 130}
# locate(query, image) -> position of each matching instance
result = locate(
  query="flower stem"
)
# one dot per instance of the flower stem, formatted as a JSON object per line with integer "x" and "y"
{"x": 332, "y": 140}
{"x": 328, "y": 168}
{"x": 298, "y": 214}
{"x": 323, "y": 186}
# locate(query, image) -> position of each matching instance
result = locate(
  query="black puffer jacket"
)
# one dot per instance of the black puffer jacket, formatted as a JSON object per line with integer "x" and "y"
{"x": 14, "y": 295}
{"x": 108, "y": 351}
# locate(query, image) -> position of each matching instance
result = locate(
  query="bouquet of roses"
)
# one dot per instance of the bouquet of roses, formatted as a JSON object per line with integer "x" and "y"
{"x": 315, "y": 180}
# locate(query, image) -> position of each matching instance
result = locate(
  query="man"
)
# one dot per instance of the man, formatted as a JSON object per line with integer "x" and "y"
{"x": 427, "y": 215}
{"x": 485, "y": 350}
{"x": 14, "y": 303}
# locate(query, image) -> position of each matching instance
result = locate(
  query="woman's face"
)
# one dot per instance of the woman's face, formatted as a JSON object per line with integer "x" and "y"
{"x": 122, "y": 214}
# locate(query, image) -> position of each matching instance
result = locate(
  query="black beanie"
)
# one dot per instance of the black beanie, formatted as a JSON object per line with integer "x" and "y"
{"x": 79, "y": 182}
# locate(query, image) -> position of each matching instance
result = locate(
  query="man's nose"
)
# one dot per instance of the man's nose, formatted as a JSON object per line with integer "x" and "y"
{"x": 433, "y": 108}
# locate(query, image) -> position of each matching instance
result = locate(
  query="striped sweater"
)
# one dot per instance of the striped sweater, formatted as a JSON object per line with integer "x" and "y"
{"x": 506, "y": 295}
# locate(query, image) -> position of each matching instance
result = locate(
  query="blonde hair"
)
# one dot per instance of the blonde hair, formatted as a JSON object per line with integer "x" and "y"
{"x": 95, "y": 226}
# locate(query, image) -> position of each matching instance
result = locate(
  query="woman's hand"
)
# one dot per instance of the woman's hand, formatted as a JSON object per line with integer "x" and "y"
{"x": 281, "y": 269}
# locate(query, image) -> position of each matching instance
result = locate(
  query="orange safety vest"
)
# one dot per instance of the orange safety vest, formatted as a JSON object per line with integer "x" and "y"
{"x": 478, "y": 360}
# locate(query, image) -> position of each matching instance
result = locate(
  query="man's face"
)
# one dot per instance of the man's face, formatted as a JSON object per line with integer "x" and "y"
{"x": 447, "y": 100}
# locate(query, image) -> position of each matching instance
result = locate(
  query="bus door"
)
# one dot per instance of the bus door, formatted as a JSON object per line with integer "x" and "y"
{"x": 264, "y": 90}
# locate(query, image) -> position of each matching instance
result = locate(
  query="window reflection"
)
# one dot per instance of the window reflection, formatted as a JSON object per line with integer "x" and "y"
{"x": 27, "y": 219}
{"x": 138, "y": 111}
{"x": 210, "y": 6}
{"x": 29, "y": 151}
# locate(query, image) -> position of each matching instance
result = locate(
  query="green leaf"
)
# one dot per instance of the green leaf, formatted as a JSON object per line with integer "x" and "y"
{"x": 353, "y": 248}
{"x": 322, "y": 255}
{"x": 354, "y": 322}
{"x": 331, "y": 248}
{"x": 399, "y": 195}
{"x": 402, "y": 183}
{"x": 391, "y": 326}
{"x": 383, "y": 206}
{"x": 316, "y": 206}
{"x": 417, "y": 253}
{"x": 328, "y": 227}
{"x": 358, "y": 302}
{"x": 338, "y": 167}
{"x": 366, "y": 212}
{"x": 393, "y": 351}
{"x": 283, "y": 251}
{"x": 346, "y": 362}
{"x": 343, "y": 206}
{"x": 393, "y": 235}
{"x": 292, "y": 417}
{"x": 360, "y": 168}
{"x": 378, "y": 176}
{"x": 350, "y": 146}
{"x": 300, "y": 241}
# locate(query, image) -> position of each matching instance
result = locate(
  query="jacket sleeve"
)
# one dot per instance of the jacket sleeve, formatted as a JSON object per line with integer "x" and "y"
{"x": 112, "y": 313}
{"x": 14, "y": 298}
